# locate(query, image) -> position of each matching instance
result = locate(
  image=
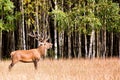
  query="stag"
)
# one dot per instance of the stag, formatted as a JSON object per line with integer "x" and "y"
{"x": 31, "y": 55}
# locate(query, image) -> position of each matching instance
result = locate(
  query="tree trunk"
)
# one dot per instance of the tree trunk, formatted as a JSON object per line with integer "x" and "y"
{"x": 61, "y": 43}
{"x": 93, "y": 56}
{"x": 98, "y": 44}
{"x": 86, "y": 48}
{"x": 19, "y": 32}
{"x": 69, "y": 46}
{"x": 75, "y": 37}
{"x": 74, "y": 43}
{"x": 119, "y": 47}
{"x": 62, "y": 35}
{"x": 55, "y": 33}
{"x": 79, "y": 46}
{"x": 2, "y": 13}
{"x": 23, "y": 27}
{"x": 111, "y": 47}
{"x": 104, "y": 42}
{"x": 37, "y": 20}
{"x": 91, "y": 44}
{"x": 119, "y": 44}
{"x": 44, "y": 20}
{"x": 0, "y": 45}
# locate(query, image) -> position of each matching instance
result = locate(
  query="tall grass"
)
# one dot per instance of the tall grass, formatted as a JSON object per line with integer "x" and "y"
{"x": 96, "y": 69}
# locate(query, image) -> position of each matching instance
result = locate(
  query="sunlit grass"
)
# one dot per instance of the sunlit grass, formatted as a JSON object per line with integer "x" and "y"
{"x": 82, "y": 69}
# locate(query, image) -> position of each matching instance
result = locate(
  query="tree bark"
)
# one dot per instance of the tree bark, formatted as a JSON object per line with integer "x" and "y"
{"x": 98, "y": 44}
{"x": 23, "y": 27}
{"x": 69, "y": 46}
{"x": 86, "y": 47}
{"x": 62, "y": 35}
{"x": 61, "y": 44}
{"x": 119, "y": 44}
{"x": 37, "y": 20}
{"x": 55, "y": 33}
{"x": 104, "y": 42}
{"x": 91, "y": 44}
{"x": 119, "y": 47}
{"x": 0, "y": 45}
{"x": 111, "y": 47}
{"x": 93, "y": 56}
{"x": 79, "y": 46}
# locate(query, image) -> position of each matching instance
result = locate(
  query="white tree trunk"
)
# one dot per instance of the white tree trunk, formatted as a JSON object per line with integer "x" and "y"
{"x": 55, "y": 33}
{"x": 98, "y": 45}
{"x": 86, "y": 49}
{"x": 23, "y": 27}
{"x": 62, "y": 35}
{"x": 79, "y": 43}
{"x": 93, "y": 56}
{"x": 92, "y": 40}
{"x": 104, "y": 42}
{"x": 91, "y": 43}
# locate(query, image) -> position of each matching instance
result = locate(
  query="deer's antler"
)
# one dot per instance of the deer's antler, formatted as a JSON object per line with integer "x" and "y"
{"x": 36, "y": 36}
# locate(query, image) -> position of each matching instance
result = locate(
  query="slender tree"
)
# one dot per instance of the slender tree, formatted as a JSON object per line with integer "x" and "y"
{"x": 23, "y": 27}
{"x": 55, "y": 33}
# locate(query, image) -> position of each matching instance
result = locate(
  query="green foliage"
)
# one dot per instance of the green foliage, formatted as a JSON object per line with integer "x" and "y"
{"x": 31, "y": 13}
{"x": 61, "y": 18}
{"x": 96, "y": 14}
{"x": 6, "y": 5}
{"x": 113, "y": 17}
{"x": 84, "y": 16}
{"x": 6, "y": 13}
{"x": 108, "y": 13}
{"x": 1, "y": 25}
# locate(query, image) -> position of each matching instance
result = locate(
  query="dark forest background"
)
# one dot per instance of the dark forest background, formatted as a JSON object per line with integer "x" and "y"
{"x": 77, "y": 28}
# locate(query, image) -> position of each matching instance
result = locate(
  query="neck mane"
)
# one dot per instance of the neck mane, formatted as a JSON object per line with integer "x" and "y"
{"x": 42, "y": 50}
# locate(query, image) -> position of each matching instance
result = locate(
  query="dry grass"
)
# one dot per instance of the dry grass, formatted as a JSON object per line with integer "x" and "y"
{"x": 96, "y": 69}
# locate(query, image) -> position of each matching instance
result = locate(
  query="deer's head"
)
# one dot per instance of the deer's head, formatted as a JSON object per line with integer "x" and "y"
{"x": 42, "y": 40}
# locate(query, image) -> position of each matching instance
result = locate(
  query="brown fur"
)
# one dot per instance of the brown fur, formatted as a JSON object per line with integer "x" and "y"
{"x": 32, "y": 55}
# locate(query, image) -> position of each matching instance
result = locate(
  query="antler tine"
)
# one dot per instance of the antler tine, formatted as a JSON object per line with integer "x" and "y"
{"x": 46, "y": 39}
{"x": 37, "y": 36}
{"x": 31, "y": 35}
{"x": 34, "y": 35}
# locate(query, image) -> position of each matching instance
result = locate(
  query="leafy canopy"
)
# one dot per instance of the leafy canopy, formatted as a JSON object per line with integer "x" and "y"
{"x": 6, "y": 13}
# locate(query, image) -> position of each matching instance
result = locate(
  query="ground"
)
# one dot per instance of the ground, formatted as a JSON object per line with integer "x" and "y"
{"x": 74, "y": 69}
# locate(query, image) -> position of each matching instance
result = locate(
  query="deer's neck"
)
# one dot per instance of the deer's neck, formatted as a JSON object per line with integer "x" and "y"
{"x": 42, "y": 50}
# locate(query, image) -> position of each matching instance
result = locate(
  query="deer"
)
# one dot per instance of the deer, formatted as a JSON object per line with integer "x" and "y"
{"x": 31, "y": 55}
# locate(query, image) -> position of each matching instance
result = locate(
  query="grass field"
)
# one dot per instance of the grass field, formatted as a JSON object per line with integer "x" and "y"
{"x": 82, "y": 69}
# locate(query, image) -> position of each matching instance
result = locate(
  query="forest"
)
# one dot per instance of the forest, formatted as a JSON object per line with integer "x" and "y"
{"x": 76, "y": 28}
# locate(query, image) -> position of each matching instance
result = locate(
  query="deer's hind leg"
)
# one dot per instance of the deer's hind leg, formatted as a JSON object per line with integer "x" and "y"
{"x": 12, "y": 64}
